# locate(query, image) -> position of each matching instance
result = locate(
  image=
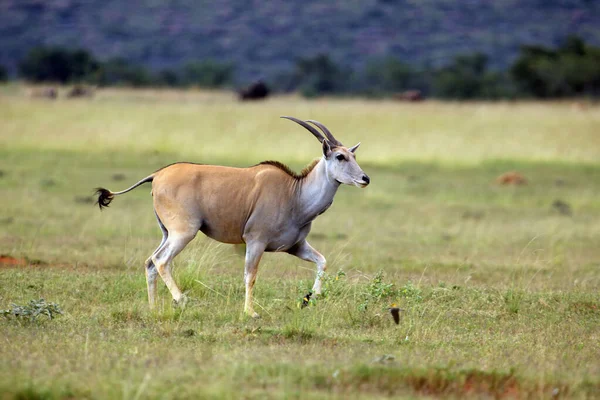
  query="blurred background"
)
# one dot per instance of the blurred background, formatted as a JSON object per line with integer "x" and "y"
{"x": 402, "y": 48}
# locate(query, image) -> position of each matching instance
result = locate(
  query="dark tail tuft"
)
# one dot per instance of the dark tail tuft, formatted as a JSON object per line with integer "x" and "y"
{"x": 105, "y": 196}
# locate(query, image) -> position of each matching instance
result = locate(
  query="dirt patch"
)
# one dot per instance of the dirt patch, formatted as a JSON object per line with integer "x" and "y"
{"x": 12, "y": 261}
{"x": 511, "y": 178}
{"x": 441, "y": 383}
{"x": 585, "y": 308}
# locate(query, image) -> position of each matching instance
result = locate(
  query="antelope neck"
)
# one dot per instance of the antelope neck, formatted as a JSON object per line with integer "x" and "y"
{"x": 316, "y": 192}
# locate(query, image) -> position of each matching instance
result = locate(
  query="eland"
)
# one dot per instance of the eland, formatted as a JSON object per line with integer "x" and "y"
{"x": 267, "y": 207}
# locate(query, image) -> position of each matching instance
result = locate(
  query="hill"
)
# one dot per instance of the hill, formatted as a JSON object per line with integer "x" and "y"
{"x": 264, "y": 38}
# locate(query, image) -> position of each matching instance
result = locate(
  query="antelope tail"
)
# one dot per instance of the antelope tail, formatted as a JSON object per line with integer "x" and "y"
{"x": 105, "y": 196}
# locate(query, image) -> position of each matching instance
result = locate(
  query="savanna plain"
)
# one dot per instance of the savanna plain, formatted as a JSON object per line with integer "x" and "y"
{"x": 499, "y": 284}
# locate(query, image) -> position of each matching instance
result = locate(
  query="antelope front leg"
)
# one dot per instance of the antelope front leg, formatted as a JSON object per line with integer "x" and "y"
{"x": 254, "y": 252}
{"x": 306, "y": 252}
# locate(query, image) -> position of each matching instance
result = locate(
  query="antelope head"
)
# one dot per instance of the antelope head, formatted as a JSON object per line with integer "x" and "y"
{"x": 340, "y": 161}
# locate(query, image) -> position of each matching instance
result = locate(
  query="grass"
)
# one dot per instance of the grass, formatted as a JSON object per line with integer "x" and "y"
{"x": 499, "y": 287}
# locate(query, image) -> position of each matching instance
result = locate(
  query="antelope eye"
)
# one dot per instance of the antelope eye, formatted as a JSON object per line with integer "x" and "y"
{"x": 340, "y": 157}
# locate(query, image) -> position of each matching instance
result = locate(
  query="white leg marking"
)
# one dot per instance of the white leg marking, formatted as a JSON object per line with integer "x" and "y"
{"x": 162, "y": 260}
{"x": 306, "y": 252}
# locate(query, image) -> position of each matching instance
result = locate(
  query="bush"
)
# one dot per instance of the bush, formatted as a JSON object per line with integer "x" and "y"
{"x": 169, "y": 77}
{"x": 3, "y": 74}
{"x": 376, "y": 291}
{"x": 389, "y": 75}
{"x": 208, "y": 74}
{"x": 571, "y": 70}
{"x": 468, "y": 78}
{"x": 30, "y": 312}
{"x": 319, "y": 75}
{"x": 118, "y": 71}
{"x": 55, "y": 64}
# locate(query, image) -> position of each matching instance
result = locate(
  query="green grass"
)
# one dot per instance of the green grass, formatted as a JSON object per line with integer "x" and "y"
{"x": 500, "y": 289}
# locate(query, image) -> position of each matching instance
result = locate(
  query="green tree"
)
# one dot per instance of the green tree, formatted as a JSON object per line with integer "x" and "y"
{"x": 208, "y": 74}
{"x": 389, "y": 75}
{"x": 463, "y": 79}
{"x": 573, "y": 69}
{"x": 169, "y": 77}
{"x": 3, "y": 74}
{"x": 118, "y": 71}
{"x": 319, "y": 75}
{"x": 57, "y": 65}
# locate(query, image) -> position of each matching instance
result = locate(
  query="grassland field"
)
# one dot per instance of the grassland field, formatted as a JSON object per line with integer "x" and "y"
{"x": 500, "y": 284}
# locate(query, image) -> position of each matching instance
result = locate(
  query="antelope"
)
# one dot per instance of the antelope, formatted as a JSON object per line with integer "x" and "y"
{"x": 267, "y": 207}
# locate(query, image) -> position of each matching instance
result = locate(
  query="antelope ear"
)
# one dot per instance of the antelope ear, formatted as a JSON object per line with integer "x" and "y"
{"x": 353, "y": 149}
{"x": 326, "y": 148}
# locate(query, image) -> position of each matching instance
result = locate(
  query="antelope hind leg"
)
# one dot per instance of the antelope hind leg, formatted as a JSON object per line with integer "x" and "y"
{"x": 162, "y": 260}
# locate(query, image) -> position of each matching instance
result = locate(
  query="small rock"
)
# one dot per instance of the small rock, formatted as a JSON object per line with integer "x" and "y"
{"x": 118, "y": 177}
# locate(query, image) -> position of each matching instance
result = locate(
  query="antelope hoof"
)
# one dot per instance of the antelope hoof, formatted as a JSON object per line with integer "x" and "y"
{"x": 252, "y": 314}
{"x": 181, "y": 303}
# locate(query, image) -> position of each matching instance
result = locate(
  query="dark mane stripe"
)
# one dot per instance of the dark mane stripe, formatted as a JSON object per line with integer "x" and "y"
{"x": 305, "y": 171}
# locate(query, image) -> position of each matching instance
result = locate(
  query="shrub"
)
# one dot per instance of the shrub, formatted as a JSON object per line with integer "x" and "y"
{"x": 467, "y": 78}
{"x": 377, "y": 290}
{"x": 3, "y": 74}
{"x": 118, "y": 71}
{"x": 208, "y": 74}
{"x": 319, "y": 75}
{"x": 389, "y": 75}
{"x": 55, "y": 64}
{"x": 31, "y": 311}
{"x": 169, "y": 77}
{"x": 573, "y": 69}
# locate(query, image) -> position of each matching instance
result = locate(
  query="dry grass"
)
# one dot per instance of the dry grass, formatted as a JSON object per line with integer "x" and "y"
{"x": 206, "y": 125}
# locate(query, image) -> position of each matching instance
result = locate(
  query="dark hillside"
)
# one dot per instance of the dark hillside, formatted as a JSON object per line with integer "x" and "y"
{"x": 264, "y": 37}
